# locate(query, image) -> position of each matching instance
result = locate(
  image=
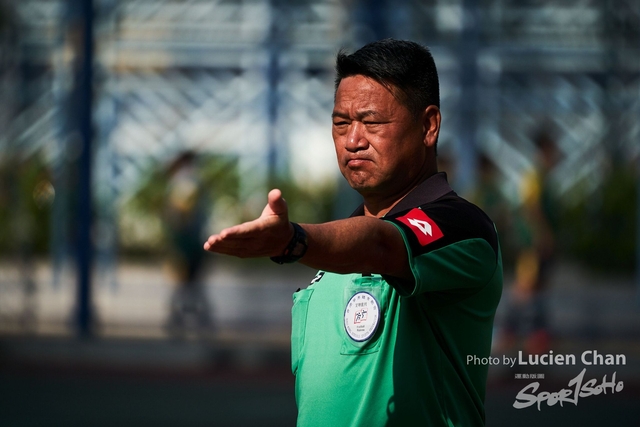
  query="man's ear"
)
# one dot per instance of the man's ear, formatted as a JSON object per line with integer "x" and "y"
{"x": 431, "y": 125}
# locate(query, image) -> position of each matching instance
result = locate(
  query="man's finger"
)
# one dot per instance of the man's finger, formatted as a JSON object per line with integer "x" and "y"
{"x": 276, "y": 202}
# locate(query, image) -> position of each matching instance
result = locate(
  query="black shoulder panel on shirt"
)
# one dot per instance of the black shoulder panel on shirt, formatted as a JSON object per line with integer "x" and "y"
{"x": 458, "y": 220}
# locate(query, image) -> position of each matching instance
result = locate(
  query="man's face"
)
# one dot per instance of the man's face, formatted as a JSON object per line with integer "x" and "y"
{"x": 379, "y": 143}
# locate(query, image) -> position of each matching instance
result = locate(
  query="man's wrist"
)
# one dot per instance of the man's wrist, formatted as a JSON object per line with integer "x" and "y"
{"x": 295, "y": 249}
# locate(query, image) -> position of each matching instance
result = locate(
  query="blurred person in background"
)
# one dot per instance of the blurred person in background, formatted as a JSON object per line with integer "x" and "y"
{"x": 184, "y": 221}
{"x": 488, "y": 195}
{"x": 409, "y": 284}
{"x": 534, "y": 227}
{"x": 26, "y": 197}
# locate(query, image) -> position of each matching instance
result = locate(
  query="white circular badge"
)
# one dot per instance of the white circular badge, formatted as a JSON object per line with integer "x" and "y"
{"x": 361, "y": 316}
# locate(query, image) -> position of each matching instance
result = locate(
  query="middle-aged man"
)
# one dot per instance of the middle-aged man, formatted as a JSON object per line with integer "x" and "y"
{"x": 392, "y": 329}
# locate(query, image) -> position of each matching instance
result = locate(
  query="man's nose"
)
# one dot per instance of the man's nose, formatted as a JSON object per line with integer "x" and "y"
{"x": 355, "y": 137}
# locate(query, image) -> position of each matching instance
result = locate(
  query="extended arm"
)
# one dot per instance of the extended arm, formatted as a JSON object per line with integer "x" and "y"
{"x": 354, "y": 245}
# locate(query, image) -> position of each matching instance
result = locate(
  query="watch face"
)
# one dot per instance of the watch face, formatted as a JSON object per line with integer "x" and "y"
{"x": 299, "y": 249}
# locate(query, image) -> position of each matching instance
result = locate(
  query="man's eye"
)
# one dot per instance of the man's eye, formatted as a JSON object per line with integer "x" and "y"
{"x": 340, "y": 123}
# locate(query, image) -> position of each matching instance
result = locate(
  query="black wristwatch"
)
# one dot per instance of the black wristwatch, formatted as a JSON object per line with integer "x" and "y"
{"x": 296, "y": 248}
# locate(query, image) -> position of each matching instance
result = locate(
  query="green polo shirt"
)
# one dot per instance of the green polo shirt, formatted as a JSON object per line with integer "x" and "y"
{"x": 369, "y": 350}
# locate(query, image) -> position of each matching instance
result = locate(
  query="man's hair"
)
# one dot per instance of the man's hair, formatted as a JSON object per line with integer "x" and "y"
{"x": 404, "y": 67}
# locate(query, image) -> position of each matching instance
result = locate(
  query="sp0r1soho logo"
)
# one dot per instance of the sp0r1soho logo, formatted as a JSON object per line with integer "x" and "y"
{"x": 577, "y": 387}
{"x": 576, "y": 390}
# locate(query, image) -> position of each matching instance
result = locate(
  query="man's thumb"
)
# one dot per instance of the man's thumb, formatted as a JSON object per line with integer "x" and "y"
{"x": 276, "y": 202}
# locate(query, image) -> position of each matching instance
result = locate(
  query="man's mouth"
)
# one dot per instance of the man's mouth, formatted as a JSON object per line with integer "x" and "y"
{"x": 357, "y": 162}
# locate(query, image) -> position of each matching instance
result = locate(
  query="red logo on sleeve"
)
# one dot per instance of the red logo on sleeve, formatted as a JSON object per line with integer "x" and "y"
{"x": 425, "y": 229}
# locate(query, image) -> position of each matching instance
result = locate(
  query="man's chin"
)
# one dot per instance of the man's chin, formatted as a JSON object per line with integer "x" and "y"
{"x": 358, "y": 184}
{"x": 358, "y": 179}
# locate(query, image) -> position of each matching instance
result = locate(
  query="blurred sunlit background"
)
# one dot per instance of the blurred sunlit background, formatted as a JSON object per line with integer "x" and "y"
{"x": 132, "y": 129}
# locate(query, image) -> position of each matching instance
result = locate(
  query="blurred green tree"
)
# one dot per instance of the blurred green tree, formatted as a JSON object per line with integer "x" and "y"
{"x": 600, "y": 231}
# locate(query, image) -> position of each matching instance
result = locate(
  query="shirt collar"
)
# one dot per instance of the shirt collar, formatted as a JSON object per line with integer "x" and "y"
{"x": 427, "y": 191}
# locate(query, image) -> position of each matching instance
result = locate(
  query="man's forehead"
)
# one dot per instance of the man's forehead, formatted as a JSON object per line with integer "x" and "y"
{"x": 363, "y": 94}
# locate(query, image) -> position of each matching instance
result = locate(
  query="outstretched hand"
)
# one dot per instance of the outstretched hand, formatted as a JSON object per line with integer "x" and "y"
{"x": 267, "y": 235}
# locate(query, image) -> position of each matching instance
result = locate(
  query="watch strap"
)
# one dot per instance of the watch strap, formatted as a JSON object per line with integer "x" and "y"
{"x": 296, "y": 248}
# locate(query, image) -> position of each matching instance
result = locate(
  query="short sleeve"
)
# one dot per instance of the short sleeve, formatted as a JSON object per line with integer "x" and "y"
{"x": 451, "y": 246}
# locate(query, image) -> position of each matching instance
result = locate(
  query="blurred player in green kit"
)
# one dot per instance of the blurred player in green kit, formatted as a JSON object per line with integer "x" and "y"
{"x": 407, "y": 286}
